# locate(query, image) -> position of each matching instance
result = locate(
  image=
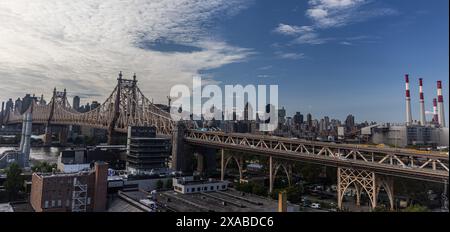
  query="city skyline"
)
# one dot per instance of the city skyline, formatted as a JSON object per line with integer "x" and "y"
{"x": 289, "y": 48}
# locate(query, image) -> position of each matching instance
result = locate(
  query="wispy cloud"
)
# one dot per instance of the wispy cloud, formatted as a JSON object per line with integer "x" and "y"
{"x": 48, "y": 42}
{"x": 290, "y": 56}
{"x": 326, "y": 14}
{"x": 286, "y": 29}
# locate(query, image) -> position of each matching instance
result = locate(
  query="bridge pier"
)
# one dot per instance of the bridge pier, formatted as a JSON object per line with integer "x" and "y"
{"x": 48, "y": 136}
{"x": 181, "y": 152}
{"x": 366, "y": 181}
{"x": 63, "y": 134}
{"x": 274, "y": 167}
{"x": 224, "y": 161}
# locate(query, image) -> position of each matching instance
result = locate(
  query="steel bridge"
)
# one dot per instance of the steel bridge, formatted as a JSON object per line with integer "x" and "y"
{"x": 366, "y": 168}
{"x": 125, "y": 106}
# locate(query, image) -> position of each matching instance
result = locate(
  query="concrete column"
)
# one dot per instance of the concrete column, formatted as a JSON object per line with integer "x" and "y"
{"x": 211, "y": 160}
{"x": 63, "y": 134}
{"x": 241, "y": 168}
{"x": 358, "y": 195}
{"x": 200, "y": 163}
{"x": 270, "y": 174}
{"x": 339, "y": 190}
{"x": 48, "y": 136}
{"x": 222, "y": 164}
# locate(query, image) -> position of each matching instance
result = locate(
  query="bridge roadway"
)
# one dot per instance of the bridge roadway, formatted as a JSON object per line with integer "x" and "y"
{"x": 430, "y": 166}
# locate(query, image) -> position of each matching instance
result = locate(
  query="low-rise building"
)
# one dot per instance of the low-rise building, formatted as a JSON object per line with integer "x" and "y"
{"x": 70, "y": 192}
{"x": 186, "y": 185}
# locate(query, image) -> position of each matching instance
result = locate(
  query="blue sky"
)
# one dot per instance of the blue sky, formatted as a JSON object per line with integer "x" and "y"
{"x": 359, "y": 70}
{"x": 329, "y": 57}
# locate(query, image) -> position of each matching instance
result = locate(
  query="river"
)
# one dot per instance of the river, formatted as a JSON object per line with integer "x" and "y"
{"x": 40, "y": 154}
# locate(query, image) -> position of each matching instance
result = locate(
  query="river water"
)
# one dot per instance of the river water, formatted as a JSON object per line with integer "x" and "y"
{"x": 40, "y": 154}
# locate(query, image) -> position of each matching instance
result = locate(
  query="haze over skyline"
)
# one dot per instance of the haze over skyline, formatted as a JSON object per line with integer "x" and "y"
{"x": 329, "y": 57}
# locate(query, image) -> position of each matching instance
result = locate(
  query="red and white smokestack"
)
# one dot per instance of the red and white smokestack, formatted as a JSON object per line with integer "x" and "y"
{"x": 408, "y": 102}
{"x": 435, "y": 112}
{"x": 440, "y": 105}
{"x": 423, "y": 119}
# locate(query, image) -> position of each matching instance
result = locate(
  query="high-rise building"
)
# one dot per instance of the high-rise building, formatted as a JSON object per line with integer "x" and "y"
{"x": 298, "y": 119}
{"x": 9, "y": 105}
{"x": 309, "y": 120}
{"x": 18, "y": 104}
{"x": 281, "y": 116}
{"x": 349, "y": 123}
{"x": 94, "y": 105}
{"x": 76, "y": 103}
{"x": 145, "y": 152}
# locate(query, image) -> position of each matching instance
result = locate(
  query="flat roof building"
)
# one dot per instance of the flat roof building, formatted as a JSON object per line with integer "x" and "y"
{"x": 186, "y": 185}
{"x": 74, "y": 192}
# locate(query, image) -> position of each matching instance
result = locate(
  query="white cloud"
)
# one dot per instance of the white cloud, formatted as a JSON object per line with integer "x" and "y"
{"x": 310, "y": 38}
{"x": 83, "y": 44}
{"x": 290, "y": 56}
{"x": 327, "y": 14}
{"x": 286, "y": 29}
{"x": 336, "y": 13}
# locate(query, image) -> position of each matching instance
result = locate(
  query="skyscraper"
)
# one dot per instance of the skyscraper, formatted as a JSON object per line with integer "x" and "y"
{"x": 76, "y": 103}
{"x": 350, "y": 122}
{"x": 309, "y": 120}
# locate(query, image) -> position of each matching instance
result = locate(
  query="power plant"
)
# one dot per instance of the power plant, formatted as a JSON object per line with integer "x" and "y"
{"x": 408, "y": 102}
{"x": 440, "y": 105}
{"x": 423, "y": 120}
{"x": 414, "y": 133}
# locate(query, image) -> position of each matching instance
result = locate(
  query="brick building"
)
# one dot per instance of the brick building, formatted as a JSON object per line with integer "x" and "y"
{"x": 75, "y": 192}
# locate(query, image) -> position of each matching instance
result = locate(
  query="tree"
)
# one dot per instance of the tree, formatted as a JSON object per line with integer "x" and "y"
{"x": 416, "y": 209}
{"x": 14, "y": 181}
{"x": 159, "y": 184}
{"x": 294, "y": 193}
{"x": 169, "y": 184}
{"x": 44, "y": 167}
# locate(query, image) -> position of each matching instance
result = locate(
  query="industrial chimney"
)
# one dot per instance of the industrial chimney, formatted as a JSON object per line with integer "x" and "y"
{"x": 408, "y": 102}
{"x": 435, "y": 112}
{"x": 423, "y": 119}
{"x": 440, "y": 104}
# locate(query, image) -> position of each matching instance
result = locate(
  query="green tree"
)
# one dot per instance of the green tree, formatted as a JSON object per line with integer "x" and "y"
{"x": 14, "y": 181}
{"x": 294, "y": 193}
{"x": 416, "y": 209}
{"x": 44, "y": 167}
{"x": 169, "y": 184}
{"x": 159, "y": 184}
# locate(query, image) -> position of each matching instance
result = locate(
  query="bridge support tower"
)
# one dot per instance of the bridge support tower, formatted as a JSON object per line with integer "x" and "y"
{"x": 225, "y": 160}
{"x": 274, "y": 168}
{"x": 367, "y": 181}
{"x": 181, "y": 152}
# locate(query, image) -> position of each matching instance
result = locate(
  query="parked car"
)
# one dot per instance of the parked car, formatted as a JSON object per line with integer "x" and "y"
{"x": 315, "y": 206}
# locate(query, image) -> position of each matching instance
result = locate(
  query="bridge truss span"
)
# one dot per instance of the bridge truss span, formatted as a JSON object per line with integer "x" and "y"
{"x": 392, "y": 162}
{"x": 126, "y": 106}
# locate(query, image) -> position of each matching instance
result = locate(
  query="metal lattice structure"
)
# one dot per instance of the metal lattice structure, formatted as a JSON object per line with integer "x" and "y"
{"x": 431, "y": 166}
{"x": 79, "y": 196}
{"x": 126, "y": 106}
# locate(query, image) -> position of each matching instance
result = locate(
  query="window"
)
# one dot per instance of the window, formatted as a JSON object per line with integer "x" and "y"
{"x": 211, "y": 188}
{"x": 217, "y": 187}
{"x": 88, "y": 200}
{"x": 46, "y": 204}
{"x": 193, "y": 189}
{"x": 223, "y": 186}
{"x": 59, "y": 203}
{"x": 53, "y": 203}
{"x": 198, "y": 189}
{"x": 67, "y": 203}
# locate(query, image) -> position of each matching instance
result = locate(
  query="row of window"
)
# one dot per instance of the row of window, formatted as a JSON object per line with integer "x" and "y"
{"x": 58, "y": 203}
{"x": 199, "y": 189}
